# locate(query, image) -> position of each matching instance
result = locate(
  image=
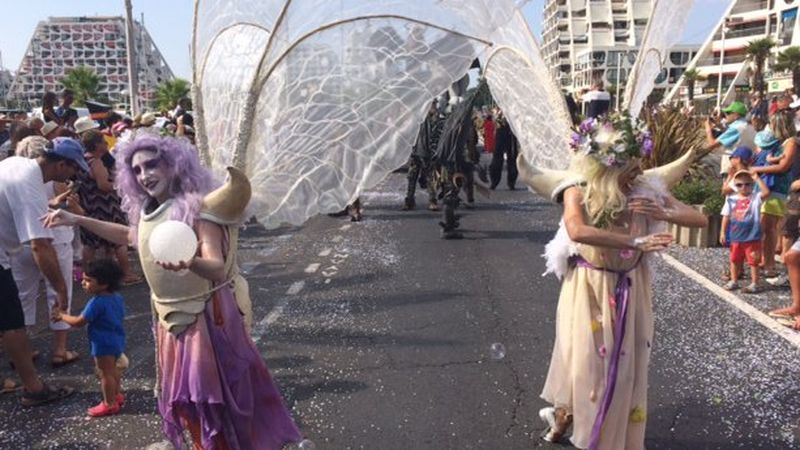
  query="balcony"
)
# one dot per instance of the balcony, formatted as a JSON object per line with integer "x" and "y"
{"x": 742, "y": 7}
{"x": 714, "y": 60}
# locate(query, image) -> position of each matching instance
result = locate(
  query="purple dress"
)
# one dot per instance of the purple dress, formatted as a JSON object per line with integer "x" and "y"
{"x": 212, "y": 373}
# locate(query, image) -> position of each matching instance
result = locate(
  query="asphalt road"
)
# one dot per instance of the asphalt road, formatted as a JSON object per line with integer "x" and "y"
{"x": 383, "y": 336}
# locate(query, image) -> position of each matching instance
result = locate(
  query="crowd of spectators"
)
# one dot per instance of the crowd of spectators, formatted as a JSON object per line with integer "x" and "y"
{"x": 56, "y": 158}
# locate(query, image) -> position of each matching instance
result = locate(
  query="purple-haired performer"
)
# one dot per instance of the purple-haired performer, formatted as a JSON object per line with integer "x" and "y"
{"x": 212, "y": 380}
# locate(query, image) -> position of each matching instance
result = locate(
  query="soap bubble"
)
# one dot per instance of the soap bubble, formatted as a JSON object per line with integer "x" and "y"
{"x": 497, "y": 351}
{"x": 306, "y": 444}
{"x": 172, "y": 242}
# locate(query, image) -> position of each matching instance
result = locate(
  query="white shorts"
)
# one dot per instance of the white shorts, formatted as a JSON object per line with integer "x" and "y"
{"x": 28, "y": 278}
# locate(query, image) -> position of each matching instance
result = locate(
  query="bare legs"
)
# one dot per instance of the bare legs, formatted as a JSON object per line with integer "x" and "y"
{"x": 18, "y": 347}
{"x": 109, "y": 378}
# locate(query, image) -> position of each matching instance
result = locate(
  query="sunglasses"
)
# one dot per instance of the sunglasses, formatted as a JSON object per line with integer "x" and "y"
{"x": 738, "y": 185}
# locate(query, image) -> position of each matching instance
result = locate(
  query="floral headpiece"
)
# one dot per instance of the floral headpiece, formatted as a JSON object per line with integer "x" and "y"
{"x": 613, "y": 141}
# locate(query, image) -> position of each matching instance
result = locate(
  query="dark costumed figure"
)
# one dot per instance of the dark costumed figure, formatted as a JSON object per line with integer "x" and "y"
{"x": 420, "y": 167}
{"x": 456, "y": 157}
{"x": 506, "y": 145}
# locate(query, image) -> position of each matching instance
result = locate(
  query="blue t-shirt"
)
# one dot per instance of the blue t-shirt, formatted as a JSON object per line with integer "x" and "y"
{"x": 744, "y": 216}
{"x": 105, "y": 314}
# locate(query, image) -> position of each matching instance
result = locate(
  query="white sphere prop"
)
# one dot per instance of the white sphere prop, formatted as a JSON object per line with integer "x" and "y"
{"x": 172, "y": 242}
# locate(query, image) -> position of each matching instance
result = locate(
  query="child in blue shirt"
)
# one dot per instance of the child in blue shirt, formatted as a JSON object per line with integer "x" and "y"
{"x": 742, "y": 211}
{"x": 104, "y": 313}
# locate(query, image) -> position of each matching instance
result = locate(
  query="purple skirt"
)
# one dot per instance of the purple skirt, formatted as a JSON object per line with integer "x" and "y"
{"x": 213, "y": 374}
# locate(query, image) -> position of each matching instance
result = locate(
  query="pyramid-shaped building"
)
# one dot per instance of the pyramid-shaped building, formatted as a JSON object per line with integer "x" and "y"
{"x": 63, "y": 43}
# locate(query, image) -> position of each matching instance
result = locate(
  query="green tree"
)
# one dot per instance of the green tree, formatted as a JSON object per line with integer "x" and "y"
{"x": 169, "y": 92}
{"x": 789, "y": 60}
{"x": 691, "y": 77}
{"x": 83, "y": 82}
{"x": 757, "y": 52}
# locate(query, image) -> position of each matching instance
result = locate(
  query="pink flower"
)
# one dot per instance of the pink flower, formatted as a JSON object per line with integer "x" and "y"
{"x": 626, "y": 253}
{"x": 602, "y": 351}
{"x": 612, "y": 302}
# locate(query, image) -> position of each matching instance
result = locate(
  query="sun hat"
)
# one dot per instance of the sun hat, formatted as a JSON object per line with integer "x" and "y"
{"x": 48, "y": 128}
{"x": 148, "y": 119}
{"x": 85, "y": 124}
{"x": 765, "y": 139}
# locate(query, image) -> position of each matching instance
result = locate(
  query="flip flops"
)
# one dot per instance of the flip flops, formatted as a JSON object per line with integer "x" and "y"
{"x": 68, "y": 357}
{"x": 48, "y": 394}
{"x": 785, "y": 321}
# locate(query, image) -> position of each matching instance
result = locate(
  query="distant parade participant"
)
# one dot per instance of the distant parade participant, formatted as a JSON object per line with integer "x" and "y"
{"x": 212, "y": 381}
{"x": 506, "y": 148}
{"x": 613, "y": 218}
{"x": 420, "y": 167}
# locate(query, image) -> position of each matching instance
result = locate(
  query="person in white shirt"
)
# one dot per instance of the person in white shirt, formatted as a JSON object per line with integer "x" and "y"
{"x": 27, "y": 274}
{"x": 23, "y": 202}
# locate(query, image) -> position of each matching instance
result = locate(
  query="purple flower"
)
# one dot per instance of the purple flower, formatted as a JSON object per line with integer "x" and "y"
{"x": 647, "y": 146}
{"x": 587, "y": 126}
{"x": 576, "y": 141}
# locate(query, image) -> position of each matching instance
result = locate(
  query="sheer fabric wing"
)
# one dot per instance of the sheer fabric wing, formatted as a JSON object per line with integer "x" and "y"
{"x": 526, "y": 93}
{"x": 340, "y": 88}
{"x": 664, "y": 29}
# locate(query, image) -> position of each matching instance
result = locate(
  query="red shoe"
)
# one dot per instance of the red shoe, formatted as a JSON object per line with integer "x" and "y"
{"x": 120, "y": 399}
{"x": 103, "y": 409}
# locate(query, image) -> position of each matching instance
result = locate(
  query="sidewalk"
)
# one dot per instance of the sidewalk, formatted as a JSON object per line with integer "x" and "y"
{"x": 712, "y": 262}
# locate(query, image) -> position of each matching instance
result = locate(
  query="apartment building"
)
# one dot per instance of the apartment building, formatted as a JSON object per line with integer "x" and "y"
{"x": 584, "y": 41}
{"x": 723, "y": 55}
{"x": 63, "y": 43}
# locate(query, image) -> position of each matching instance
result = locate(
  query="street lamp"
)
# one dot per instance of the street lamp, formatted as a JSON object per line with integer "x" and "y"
{"x": 721, "y": 64}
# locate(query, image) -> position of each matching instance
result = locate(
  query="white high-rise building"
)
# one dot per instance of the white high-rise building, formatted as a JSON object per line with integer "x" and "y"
{"x": 585, "y": 41}
{"x": 723, "y": 52}
{"x": 63, "y": 43}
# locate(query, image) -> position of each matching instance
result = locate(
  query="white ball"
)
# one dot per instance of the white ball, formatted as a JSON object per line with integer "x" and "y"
{"x": 172, "y": 242}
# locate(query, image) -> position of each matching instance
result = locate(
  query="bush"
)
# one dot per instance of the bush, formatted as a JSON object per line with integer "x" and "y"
{"x": 706, "y": 192}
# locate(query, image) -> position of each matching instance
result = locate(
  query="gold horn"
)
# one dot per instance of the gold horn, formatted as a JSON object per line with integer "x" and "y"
{"x": 672, "y": 173}
{"x": 548, "y": 183}
{"x": 227, "y": 203}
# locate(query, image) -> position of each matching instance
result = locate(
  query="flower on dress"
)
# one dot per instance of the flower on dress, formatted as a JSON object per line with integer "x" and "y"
{"x": 626, "y": 253}
{"x": 638, "y": 415}
{"x": 612, "y": 302}
{"x": 602, "y": 351}
{"x": 596, "y": 326}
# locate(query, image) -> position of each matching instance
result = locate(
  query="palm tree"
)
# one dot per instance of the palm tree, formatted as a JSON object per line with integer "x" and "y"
{"x": 169, "y": 92}
{"x": 83, "y": 82}
{"x": 789, "y": 60}
{"x": 691, "y": 77}
{"x": 758, "y": 51}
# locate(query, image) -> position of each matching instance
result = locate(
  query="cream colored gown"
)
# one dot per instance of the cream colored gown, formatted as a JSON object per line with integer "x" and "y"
{"x": 585, "y": 342}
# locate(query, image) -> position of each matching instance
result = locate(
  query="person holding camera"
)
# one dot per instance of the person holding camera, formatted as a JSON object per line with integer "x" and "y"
{"x": 101, "y": 202}
{"x": 738, "y": 133}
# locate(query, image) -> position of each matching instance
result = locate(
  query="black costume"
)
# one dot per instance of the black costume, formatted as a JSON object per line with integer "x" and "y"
{"x": 507, "y": 146}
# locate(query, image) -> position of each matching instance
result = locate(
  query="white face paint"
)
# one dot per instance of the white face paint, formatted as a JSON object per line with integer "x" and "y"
{"x": 151, "y": 174}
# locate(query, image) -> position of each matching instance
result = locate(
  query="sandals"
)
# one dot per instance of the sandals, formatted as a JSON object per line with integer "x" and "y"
{"x": 136, "y": 279}
{"x": 48, "y": 394}
{"x": 68, "y": 357}
{"x": 10, "y": 386}
{"x": 558, "y": 422}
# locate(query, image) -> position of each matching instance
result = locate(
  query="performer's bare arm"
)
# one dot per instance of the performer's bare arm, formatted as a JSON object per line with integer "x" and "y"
{"x": 673, "y": 211}
{"x": 579, "y": 231}
{"x": 112, "y": 232}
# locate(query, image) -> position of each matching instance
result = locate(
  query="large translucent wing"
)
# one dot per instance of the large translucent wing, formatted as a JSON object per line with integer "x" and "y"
{"x": 324, "y": 101}
{"x": 664, "y": 29}
{"x": 528, "y": 96}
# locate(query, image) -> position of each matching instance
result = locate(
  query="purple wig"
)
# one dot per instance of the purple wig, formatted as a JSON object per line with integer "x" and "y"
{"x": 190, "y": 180}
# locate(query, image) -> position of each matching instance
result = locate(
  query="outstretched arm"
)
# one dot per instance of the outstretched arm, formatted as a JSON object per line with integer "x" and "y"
{"x": 579, "y": 231}
{"x": 112, "y": 232}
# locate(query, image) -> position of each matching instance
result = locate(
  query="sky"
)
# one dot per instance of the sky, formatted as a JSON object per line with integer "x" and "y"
{"x": 169, "y": 22}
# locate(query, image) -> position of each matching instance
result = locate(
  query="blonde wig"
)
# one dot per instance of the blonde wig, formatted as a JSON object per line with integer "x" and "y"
{"x": 603, "y": 196}
{"x": 782, "y": 125}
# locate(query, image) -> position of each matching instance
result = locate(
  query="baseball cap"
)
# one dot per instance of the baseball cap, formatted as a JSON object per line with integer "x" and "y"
{"x": 71, "y": 149}
{"x": 736, "y": 107}
{"x": 743, "y": 153}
